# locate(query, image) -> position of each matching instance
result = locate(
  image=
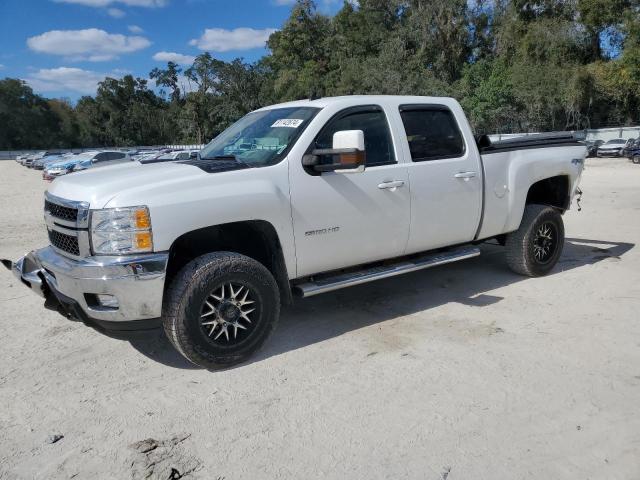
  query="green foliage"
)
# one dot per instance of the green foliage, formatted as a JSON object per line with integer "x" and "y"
{"x": 515, "y": 65}
{"x": 25, "y": 118}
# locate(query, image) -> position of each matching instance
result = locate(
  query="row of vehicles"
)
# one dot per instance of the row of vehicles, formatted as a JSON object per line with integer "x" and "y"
{"x": 616, "y": 147}
{"x": 55, "y": 164}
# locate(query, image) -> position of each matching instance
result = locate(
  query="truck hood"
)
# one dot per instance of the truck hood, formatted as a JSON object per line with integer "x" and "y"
{"x": 102, "y": 186}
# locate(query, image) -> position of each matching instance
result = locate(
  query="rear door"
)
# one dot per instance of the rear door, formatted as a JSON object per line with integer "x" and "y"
{"x": 445, "y": 176}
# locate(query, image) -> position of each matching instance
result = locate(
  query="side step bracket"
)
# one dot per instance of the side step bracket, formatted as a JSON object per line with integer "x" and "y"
{"x": 342, "y": 280}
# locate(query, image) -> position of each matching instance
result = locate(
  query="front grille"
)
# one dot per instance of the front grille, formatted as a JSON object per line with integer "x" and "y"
{"x": 58, "y": 211}
{"x": 64, "y": 242}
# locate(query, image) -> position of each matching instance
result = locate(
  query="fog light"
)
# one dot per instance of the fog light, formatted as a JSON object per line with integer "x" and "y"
{"x": 107, "y": 301}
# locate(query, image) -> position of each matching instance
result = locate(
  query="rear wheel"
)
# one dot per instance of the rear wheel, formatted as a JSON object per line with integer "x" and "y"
{"x": 220, "y": 309}
{"x": 535, "y": 248}
{"x": 636, "y": 159}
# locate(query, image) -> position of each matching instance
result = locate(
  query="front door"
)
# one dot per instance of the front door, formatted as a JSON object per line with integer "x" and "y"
{"x": 345, "y": 219}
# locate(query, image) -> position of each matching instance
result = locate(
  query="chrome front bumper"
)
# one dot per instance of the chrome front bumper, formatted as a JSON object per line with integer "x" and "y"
{"x": 137, "y": 282}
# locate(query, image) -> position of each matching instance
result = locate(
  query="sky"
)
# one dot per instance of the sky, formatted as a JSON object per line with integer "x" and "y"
{"x": 63, "y": 48}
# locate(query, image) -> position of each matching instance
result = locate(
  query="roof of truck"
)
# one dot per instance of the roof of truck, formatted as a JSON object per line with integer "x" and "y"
{"x": 352, "y": 100}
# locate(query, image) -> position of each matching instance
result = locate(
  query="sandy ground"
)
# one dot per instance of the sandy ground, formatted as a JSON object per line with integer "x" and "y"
{"x": 465, "y": 371}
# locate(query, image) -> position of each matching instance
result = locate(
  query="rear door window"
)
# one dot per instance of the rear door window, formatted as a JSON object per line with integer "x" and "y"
{"x": 432, "y": 132}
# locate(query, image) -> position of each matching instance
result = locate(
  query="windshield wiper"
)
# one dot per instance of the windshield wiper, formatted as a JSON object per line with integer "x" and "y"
{"x": 226, "y": 157}
{"x": 221, "y": 157}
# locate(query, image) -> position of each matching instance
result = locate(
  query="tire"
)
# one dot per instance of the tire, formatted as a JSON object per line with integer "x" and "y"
{"x": 220, "y": 309}
{"x": 636, "y": 159}
{"x": 535, "y": 248}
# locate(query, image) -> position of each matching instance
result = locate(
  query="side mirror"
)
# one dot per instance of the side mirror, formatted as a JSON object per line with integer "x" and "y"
{"x": 347, "y": 155}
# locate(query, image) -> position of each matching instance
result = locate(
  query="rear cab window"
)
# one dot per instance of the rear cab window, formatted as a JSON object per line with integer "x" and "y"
{"x": 432, "y": 132}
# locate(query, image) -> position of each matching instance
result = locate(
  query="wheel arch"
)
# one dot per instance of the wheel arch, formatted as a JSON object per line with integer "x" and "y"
{"x": 551, "y": 191}
{"x": 257, "y": 239}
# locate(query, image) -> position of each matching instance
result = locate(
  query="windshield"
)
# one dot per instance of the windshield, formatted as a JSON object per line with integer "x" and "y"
{"x": 260, "y": 138}
{"x": 617, "y": 140}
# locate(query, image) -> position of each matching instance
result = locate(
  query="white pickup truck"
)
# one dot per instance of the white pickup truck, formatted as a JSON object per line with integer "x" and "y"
{"x": 292, "y": 200}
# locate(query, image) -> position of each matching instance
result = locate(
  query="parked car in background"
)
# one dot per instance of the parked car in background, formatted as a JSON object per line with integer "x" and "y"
{"x": 36, "y": 156}
{"x": 592, "y": 147}
{"x": 39, "y": 163}
{"x": 50, "y": 160}
{"x": 635, "y": 153}
{"x": 103, "y": 159}
{"x": 612, "y": 148}
{"x": 629, "y": 147}
{"x": 171, "y": 156}
{"x": 148, "y": 154}
{"x": 84, "y": 161}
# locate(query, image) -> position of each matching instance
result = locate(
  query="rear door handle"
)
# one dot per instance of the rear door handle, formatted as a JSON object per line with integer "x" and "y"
{"x": 391, "y": 185}
{"x": 465, "y": 175}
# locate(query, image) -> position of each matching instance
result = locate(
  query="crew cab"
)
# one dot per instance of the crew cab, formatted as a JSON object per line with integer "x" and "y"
{"x": 294, "y": 200}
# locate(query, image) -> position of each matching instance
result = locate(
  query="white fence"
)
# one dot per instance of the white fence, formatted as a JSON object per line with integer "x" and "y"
{"x": 591, "y": 134}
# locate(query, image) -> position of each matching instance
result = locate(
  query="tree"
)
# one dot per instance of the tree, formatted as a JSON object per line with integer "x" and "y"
{"x": 515, "y": 65}
{"x": 26, "y": 118}
{"x": 168, "y": 78}
{"x": 300, "y": 56}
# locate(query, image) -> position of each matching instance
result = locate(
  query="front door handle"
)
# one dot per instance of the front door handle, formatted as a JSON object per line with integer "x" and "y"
{"x": 391, "y": 185}
{"x": 465, "y": 175}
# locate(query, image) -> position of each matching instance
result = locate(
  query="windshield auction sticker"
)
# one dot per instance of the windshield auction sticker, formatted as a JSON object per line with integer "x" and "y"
{"x": 287, "y": 123}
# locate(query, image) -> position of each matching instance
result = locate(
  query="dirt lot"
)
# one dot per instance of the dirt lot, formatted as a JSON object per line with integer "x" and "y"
{"x": 461, "y": 372}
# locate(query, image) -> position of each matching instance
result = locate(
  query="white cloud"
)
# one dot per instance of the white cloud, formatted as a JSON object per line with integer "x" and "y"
{"x": 222, "y": 40}
{"x": 284, "y": 2}
{"x": 65, "y": 79}
{"x": 135, "y": 29}
{"x": 91, "y": 44}
{"x": 116, "y": 12}
{"x": 174, "y": 57}
{"x": 106, "y": 3}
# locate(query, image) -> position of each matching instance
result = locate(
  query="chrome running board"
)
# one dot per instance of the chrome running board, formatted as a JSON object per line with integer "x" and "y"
{"x": 342, "y": 280}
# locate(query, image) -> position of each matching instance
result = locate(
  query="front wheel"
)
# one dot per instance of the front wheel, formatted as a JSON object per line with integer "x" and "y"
{"x": 220, "y": 309}
{"x": 535, "y": 248}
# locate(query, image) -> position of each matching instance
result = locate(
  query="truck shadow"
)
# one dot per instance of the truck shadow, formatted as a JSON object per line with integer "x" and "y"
{"x": 330, "y": 315}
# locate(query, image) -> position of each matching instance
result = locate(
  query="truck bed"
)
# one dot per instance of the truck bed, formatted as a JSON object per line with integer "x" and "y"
{"x": 542, "y": 140}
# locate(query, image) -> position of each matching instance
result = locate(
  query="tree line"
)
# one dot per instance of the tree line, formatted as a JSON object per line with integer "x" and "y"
{"x": 515, "y": 65}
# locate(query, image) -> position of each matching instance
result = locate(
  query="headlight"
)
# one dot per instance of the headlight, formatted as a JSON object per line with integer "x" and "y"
{"x": 116, "y": 231}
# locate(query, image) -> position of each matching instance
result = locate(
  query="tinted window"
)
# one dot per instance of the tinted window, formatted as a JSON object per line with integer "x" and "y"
{"x": 377, "y": 137}
{"x": 117, "y": 156}
{"x": 101, "y": 157}
{"x": 432, "y": 133}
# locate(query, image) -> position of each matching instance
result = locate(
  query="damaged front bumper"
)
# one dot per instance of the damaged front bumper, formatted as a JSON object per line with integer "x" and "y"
{"x": 117, "y": 293}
